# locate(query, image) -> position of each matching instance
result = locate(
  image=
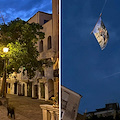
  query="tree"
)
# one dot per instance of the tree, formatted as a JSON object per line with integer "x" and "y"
{"x": 21, "y": 38}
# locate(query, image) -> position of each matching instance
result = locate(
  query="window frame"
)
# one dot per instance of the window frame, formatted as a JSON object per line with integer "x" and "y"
{"x": 41, "y": 46}
{"x": 49, "y": 42}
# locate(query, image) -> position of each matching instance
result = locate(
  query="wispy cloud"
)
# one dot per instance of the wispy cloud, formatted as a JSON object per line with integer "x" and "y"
{"x": 112, "y": 75}
{"x": 23, "y": 9}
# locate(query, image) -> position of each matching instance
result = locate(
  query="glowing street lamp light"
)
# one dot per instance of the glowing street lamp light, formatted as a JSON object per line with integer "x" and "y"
{"x": 5, "y": 49}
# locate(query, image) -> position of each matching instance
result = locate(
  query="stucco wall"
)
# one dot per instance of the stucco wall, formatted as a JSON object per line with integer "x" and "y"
{"x": 73, "y": 100}
{"x": 39, "y": 17}
{"x": 47, "y": 53}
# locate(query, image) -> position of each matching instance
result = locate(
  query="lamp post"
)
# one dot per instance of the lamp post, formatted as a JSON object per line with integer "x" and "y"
{"x": 5, "y": 50}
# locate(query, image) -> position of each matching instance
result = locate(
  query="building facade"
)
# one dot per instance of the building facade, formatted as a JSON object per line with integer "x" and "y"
{"x": 44, "y": 85}
{"x": 111, "y": 109}
{"x": 69, "y": 103}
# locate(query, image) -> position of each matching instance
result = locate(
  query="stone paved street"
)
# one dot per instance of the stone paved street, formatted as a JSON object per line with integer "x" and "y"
{"x": 26, "y": 108}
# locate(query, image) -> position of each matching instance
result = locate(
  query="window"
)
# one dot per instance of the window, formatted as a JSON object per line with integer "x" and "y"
{"x": 42, "y": 73}
{"x": 64, "y": 104}
{"x": 65, "y": 96}
{"x": 64, "y": 100}
{"x": 49, "y": 42}
{"x": 45, "y": 21}
{"x": 74, "y": 111}
{"x": 41, "y": 46}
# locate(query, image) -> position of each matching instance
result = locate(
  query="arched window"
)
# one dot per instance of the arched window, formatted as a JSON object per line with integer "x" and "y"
{"x": 49, "y": 42}
{"x": 41, "y": 46}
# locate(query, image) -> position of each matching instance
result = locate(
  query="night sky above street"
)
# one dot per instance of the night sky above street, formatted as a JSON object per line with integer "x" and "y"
{"x": 24, "y": 9}
{"x": 86, "y": 69}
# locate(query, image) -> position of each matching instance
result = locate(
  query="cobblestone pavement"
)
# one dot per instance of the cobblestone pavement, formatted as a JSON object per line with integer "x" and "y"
{"x": 26, "y": 108}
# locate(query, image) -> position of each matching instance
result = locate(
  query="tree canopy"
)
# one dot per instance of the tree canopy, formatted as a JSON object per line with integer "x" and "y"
{"x": 21, "y": 38}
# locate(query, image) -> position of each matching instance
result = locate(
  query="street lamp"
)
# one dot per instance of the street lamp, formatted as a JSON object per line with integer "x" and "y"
{"x": 5, "y": 50}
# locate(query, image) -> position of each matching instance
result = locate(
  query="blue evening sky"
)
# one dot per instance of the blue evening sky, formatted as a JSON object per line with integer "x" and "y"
{"x": 86, "y": 69}
{"x": 24, "y": 9}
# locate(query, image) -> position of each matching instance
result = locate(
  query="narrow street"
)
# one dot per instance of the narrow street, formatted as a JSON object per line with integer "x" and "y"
{"x": 26, "y": 108}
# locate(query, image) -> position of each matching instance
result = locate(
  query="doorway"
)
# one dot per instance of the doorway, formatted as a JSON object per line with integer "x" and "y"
{"x": 42, "y": 86}
{"x": 19, "y": 89}
{"x": 29, "y": 89}
{"x": 23, "y": 89}
{"x": 36, "y": 91}
{"x": 51, "y": 88}
{"x": 15, "y": 88}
